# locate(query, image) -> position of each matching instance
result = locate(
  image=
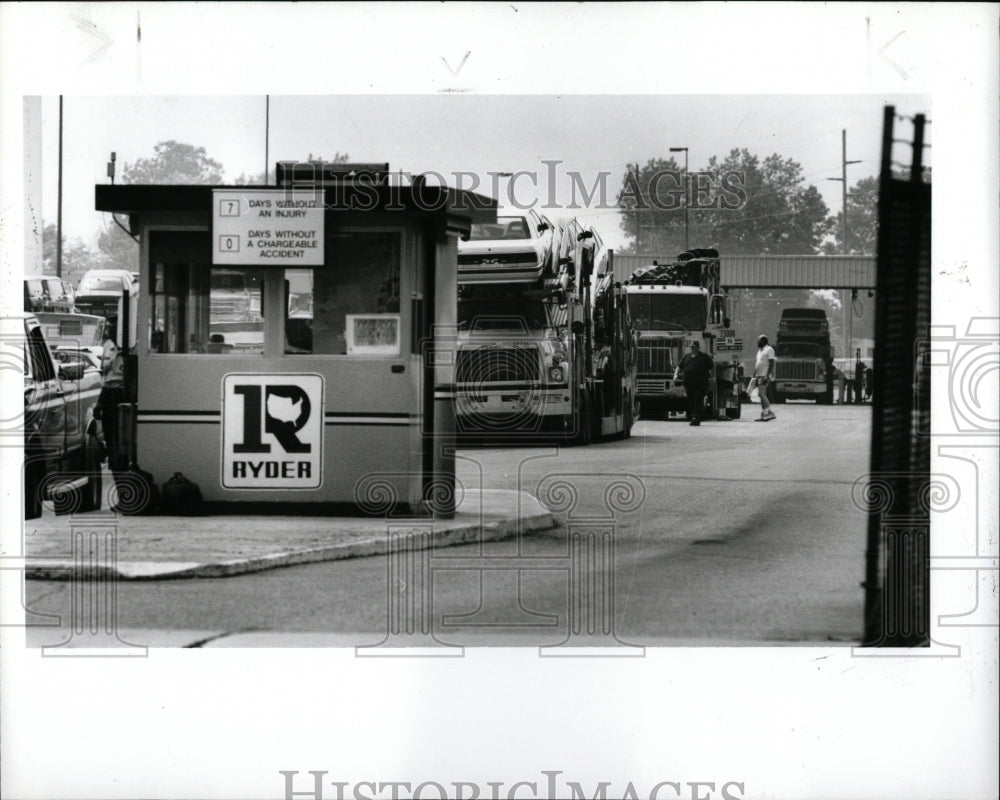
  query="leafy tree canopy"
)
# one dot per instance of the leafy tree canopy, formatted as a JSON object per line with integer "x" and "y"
{"x": 862, "y": 220}
{"x": 741, "y": 204}
{"x": 77, "y": 258}
{"x": 174, "y": 162}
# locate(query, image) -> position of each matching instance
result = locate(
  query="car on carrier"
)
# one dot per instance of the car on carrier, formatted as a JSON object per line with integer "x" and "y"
{"x": 100, "y": 291}
{"x": 48, "y": 293}
{"x": 517, "y": 248}
{"x": 62, "y": 450}
{"x": 74, "y": 337}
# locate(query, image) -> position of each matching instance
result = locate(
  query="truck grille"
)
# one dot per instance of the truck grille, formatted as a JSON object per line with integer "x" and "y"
{"x": 655, "y": 356}
{"x": 795, "y": 371}
{"x": 804, "y": 327}
{"x": 650, "y": 386}
{"x": 492, "y": 364}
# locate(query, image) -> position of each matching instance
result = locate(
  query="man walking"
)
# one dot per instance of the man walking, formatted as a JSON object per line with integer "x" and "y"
{"x": 763, "y": 374}
{"x": 697, "y": 368}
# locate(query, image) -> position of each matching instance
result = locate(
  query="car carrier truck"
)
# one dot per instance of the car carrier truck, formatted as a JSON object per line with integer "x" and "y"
{"x": 547, "y": 353}
{"x": 671, "y": 304}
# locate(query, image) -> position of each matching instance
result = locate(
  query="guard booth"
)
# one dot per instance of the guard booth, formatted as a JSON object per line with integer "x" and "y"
{"x": 293, "y": 341}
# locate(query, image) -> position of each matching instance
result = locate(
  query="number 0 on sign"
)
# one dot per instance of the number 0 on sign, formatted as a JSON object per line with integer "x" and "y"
{"x": 272, "y": 431}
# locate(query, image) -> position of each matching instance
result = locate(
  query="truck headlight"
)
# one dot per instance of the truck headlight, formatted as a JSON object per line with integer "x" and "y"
{"x": 556, "y": 374}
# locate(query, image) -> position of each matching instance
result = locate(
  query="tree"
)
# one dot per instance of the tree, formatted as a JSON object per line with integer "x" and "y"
{"x": 651, "y": 212}
{"x": 118, "y": 249}
{"x": 862, "y": 220}
{"x": 174, "y": 162}
{"x": 77, "y": 258}
{"x": 741, "y": 205}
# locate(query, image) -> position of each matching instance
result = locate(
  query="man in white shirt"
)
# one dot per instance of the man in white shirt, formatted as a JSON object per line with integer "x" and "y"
{"x": 763, "y": 373}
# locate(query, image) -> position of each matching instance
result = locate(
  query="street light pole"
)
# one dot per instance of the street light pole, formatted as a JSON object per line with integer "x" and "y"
{"x": 686, "y": 190}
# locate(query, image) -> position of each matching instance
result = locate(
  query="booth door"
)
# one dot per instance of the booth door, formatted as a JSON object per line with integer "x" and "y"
{"x": 343, "y": 322}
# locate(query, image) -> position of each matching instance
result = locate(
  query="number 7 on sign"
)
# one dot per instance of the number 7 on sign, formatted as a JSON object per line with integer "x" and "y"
{"x": 229, "y": 208}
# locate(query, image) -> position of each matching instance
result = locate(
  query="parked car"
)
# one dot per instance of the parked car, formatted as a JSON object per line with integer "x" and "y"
{"x": 62, "y": 451}
{"x": 100, "y": 291}
{"x": 48, "y": 293}
{"x": 514, "y": 249}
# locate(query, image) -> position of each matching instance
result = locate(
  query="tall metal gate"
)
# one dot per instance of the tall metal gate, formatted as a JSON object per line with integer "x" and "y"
{"x": 897, "y": 574}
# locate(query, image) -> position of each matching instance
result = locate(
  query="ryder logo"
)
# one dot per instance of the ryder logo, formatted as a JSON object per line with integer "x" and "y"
{"x": 272, "y": 431}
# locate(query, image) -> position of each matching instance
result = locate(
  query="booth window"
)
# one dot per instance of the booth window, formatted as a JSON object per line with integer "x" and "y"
{"x": 196, "y": 308}
{"x": 350, "y": 306}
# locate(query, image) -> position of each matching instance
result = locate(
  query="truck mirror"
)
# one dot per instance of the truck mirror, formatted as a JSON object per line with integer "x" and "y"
{"x": 577, "y": 327}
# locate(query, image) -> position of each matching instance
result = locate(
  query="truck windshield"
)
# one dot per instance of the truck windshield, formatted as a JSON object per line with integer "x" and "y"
{"x": 516, "y": 315}
{"x": 799, "y": 350}
{"x": 667, "y": 312}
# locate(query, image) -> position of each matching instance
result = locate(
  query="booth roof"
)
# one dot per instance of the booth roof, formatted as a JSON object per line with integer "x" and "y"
{"x": 433, "y": 200}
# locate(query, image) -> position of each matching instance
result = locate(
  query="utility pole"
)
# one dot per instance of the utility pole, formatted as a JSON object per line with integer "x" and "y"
{"x": 843, "y": 180}
{"x": 637, "y": 186}
{"x": 686, "y": 191}
{"x": 843, "y": 235}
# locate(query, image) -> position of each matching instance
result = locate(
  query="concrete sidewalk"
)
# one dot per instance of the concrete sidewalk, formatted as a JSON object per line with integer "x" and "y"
{"x": 223, "y": 545}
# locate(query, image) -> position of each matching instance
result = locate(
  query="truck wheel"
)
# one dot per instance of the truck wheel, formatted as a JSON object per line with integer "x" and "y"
{"x": 826, "y": 398}
{"x": 777, "y": 397}
{"x": 627, "y": 433}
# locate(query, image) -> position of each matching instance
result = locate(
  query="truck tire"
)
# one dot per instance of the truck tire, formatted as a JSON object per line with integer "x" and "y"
{"x": 584, "y": 426}
{"x": 826, "y": 398}
{"x": 627, "y": 433}
{"x": 777, "y": 397}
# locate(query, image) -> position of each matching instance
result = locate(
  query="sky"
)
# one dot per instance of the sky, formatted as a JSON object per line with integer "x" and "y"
{"x": 452, "y": 133}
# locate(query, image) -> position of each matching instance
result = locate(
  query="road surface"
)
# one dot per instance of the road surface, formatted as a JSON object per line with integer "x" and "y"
{"x": 735, "y": 532}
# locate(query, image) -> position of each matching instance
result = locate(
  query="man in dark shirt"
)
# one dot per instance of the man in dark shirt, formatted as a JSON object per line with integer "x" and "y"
{"x": 696, "y": 369}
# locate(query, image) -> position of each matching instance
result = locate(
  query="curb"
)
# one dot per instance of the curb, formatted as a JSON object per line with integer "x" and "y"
{"x": 482, "y": 527}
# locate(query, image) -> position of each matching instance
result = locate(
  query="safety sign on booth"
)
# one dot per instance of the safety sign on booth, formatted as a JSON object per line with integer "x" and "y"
{"x": 268, "y": 227}
{"x": 272, "y": 431}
